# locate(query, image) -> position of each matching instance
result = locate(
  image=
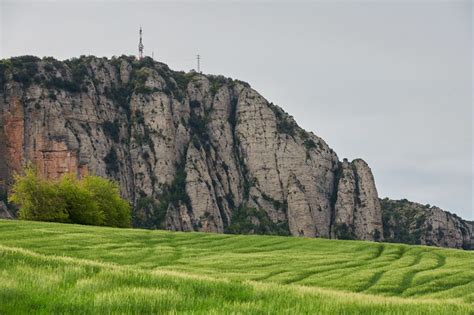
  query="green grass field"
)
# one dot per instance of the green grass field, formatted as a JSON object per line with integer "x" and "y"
{"x": 57, "y": 268}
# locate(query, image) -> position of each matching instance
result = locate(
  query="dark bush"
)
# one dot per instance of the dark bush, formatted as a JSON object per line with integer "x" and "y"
{"x": 309, "y": 144}
{"x": 112, "y": 130}
{"x": 182, "y": 79}
{"x": 194, "y": 104}
{"x": 286, "y": 127}
{"x": 5, "y": 65}
{"x": 199, "y": 130}
{"x": 111, "y": 161}
{"x": 24, "y": 69}
{"x": 61, "y": 84}
{"x": 149, "y": 214}
{"x": 138, "y": 81}
{"x": 242, "y": 223}
{"x": 344, "y": 231}
{"x": 121, "y": 96}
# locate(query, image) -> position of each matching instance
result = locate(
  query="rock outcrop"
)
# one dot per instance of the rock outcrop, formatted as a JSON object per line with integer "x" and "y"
{"x": 413, "y": 223}
{"x": 4, "y": 213}
{"x": 192, "y": 152}
{"x": 357, "y": 210}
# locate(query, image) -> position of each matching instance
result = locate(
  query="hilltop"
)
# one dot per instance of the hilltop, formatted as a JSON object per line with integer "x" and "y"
{"x": 192, "y": 152}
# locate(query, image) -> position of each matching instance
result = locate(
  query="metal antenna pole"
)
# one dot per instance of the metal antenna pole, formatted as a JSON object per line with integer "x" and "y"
{"x": 140, "y": 46}
{"x": 198, "y": 57}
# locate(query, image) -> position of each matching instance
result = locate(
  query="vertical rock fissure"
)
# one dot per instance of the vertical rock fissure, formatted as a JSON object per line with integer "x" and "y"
{"x": 240, "y": 164}
{"x": 357, "y": 201}
{"x": 333, "y": 199}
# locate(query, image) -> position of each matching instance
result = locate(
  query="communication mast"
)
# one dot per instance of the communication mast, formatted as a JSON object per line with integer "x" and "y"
{"x": 140, "y": 46}
{"x": 198, "y": 57}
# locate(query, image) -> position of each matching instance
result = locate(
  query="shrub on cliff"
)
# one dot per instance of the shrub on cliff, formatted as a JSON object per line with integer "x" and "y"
{"x": 91, "y": 200}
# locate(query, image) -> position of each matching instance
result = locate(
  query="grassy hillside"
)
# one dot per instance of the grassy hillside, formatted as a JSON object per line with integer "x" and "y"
{"x": 57, "y": 268}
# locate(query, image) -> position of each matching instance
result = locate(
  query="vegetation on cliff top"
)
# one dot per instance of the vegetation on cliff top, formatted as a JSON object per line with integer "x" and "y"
{"x": 69, "y": 269}
{"x": 397, "y": 217}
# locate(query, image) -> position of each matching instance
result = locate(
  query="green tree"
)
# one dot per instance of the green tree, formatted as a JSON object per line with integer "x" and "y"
{"x": 80, "y": 202}
{"x": 91, "y": 200}
{"x": 106, "y": 195}
{"x": 38, "y": 199}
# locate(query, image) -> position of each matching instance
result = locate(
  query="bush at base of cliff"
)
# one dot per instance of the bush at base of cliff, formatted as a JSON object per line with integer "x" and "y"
{"x": 91, "y": 200}
{"x": 344, "y": 231}
{"x": 249, "y": 220}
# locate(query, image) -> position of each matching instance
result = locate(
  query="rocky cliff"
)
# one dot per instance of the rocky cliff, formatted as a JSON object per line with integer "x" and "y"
{"x": 192, "y": 152}
{"x": 413, "y": 223}
{"x": 356, "y": 210}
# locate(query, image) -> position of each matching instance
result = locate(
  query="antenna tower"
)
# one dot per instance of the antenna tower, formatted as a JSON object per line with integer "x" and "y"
{"x": 140, "y": 46}
{"x": 198, "y": 57}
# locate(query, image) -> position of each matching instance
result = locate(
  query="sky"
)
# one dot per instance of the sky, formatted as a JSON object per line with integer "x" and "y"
{"x": 386, "y": 81}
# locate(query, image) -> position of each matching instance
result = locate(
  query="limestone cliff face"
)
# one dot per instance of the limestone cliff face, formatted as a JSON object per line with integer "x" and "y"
{"x": 357, "y": 210}
{"x": 410, "y": 222}
{"x": 192, "y": 152}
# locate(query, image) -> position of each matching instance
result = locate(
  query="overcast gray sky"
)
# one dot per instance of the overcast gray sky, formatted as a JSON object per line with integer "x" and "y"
{"x": 386, "y": 81}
